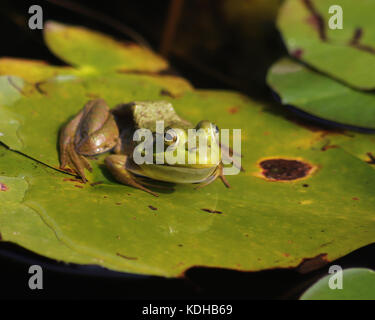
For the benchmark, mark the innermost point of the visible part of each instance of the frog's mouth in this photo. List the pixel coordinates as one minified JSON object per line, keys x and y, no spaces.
{"x":189,"y":158}
{"x":176,"y":173}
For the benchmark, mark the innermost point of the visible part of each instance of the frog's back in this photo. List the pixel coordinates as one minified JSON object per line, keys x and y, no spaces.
{"x":146,"y":113}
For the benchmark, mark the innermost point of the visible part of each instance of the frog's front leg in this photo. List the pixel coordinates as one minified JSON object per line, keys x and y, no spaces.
{"x":217,"y":174}
{"x":116,"y":164}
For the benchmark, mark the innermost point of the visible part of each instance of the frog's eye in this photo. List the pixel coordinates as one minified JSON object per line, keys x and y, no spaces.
{"x":170,"y":137}
{"x":204,"y":124}
{"x":208,"y":126}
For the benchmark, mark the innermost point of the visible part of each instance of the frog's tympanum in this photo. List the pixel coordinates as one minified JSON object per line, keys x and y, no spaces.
{"x":97,"y":129}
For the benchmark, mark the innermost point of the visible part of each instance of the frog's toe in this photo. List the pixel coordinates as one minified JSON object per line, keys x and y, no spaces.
{"x":76,"y":162}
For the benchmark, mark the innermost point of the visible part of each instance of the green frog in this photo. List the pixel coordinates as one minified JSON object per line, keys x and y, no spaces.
{"x":96,"y":129}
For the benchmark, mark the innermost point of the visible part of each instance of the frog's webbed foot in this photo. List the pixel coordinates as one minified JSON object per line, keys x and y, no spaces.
{"x":217,"y":174}
{"x":116,"y":165}
{"x":77,"y":162}
{"x":68,"y":155}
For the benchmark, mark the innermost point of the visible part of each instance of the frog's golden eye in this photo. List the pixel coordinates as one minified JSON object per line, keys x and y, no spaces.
{"x":170,"y":136}
{"x":209,"y":127}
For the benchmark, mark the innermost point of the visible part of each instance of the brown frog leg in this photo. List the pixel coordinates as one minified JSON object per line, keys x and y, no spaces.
{"x":76,"y":162}
{"x":116,"y":165}
{"x":68,"y":155}
{"x":66,"y":139}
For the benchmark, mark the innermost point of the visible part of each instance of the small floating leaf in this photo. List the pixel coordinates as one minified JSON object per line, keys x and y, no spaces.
{"x":347,"y":54}
{"x":350,"y":284}
{"x":321,"y":96}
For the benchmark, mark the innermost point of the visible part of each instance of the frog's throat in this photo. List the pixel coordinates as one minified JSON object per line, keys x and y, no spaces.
{"x":173,"y":173}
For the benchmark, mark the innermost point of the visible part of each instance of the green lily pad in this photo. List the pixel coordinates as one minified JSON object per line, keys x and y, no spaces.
{"x":357,"y":284}
{"x":33,"y":71}
{"x":19,"y":222}
{"x":262,"y":222}
{"x":321,"y":96}
{"x":94,"y":51}
{"x":346,"y":54}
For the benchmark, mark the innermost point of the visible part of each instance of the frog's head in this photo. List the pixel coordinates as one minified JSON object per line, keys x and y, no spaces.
{"x":187,"y":161}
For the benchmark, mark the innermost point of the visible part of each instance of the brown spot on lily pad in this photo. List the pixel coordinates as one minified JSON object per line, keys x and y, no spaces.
{"x":328,"y":146}
{"x":126,"y":257}
{"x":279,"y":169}
{"x":297,"y":53}
{"x":212,"y":211}
{"x":233,"y":110}
{"x":310,"y":264}
{"x":3,"y":187}
{"x":96,"y":183}
{"x":153,"y":208}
